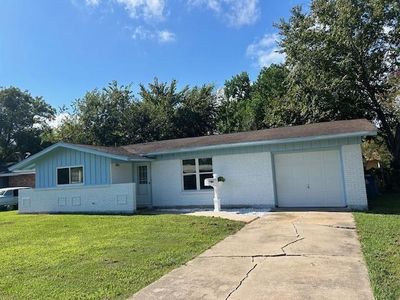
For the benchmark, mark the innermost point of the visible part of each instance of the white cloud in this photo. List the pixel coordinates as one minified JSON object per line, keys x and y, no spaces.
{"x":140,"y":33}
{"x":214,"y":5}
{"x":162,"y":36}
{"x":165,"y":36}
{"x":236,"y":12}
{"x":58,"y":120}
{"x":243,"y":13}
{"x":149,"y":9}
{"x":92,"y":2}
{"x":265,"y":51}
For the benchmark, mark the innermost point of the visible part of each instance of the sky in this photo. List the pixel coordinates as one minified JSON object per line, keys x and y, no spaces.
{"x":59,"y":49}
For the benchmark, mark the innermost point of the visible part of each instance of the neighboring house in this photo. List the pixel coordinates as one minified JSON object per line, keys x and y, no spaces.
{"x":24,"y":178}
{"x":315,"y":165}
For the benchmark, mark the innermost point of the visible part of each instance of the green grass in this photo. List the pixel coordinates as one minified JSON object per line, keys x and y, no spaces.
{"x":97,"y":257}
{"x":379,"y":231}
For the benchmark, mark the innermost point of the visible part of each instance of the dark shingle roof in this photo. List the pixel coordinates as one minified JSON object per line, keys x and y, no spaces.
{"x":282,"y":133}
{"x":111,"y":150}
{"x":140,"y":151}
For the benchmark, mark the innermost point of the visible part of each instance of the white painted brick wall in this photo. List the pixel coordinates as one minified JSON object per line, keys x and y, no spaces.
{"x":355,"y":189}
{"x":167,"y":189}
{"x":112,"y":198}
{"x":249,"y":179}
{"x":249,"y":182}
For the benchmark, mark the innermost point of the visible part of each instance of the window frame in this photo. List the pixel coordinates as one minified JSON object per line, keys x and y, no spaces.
{"x":69,"y":175}
{"x":197,"y":174}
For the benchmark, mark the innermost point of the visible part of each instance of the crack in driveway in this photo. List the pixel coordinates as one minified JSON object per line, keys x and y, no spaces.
{"x":298,"y":238}
{"x":290,"y":243}
{"x":267,"y":255}
{"x":241,"y":281}
{"x":338,"y":226}
{"x":349,"y":227}
{"x":295,"y":230}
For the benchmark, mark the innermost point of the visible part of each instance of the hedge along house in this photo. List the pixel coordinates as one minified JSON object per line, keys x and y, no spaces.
{"x":315,"y":165}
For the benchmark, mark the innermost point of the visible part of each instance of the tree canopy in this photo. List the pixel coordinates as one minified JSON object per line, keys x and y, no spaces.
{"x":114,"y":116}
{"x":341,"y":58}
{"x":23,"y":119}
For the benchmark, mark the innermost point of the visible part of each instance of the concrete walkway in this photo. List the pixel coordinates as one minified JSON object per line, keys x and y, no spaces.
{"x":245,"y":215}
{"x":246,"y":218}
{"x":282,"y":255}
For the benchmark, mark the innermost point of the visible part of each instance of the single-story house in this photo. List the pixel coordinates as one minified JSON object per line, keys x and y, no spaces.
{"x":314,"y":165}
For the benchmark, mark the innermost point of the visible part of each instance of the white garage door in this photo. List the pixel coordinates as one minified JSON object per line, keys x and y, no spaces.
{"x":309,"y":179}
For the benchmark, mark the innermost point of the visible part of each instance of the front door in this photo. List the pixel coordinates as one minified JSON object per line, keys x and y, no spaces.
{"x":143,"y":185}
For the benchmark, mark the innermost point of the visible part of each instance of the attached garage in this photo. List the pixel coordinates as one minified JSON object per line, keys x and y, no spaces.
{"x":309,"y":179}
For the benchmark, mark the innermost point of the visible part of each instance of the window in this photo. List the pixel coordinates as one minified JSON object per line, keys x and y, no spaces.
{"x":189,"y":174}
{"x":195,"y":171}
{"x":8,"y":193}
{"x":142,"y":170}
{"x":76,"y":175}
{"x":63,"y":176}
{"x":70,"y":175}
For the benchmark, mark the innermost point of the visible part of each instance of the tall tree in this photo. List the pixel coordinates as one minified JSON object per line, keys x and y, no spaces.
{"x":341,"y":56}
{"x":23,"y":119}
{"x":234,"y":106}
{"x":166,"y":112}
{"x":101,"y":117}
{"x":159,"y":103}
{"x":270,"y":106}
{"x":197,"y":112}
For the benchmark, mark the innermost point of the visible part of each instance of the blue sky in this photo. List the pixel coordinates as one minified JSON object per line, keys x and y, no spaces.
{"x":59,"y":49}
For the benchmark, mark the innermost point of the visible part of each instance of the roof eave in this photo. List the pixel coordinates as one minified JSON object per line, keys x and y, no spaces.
{"x":17,"y":173}
{"x":144,"y":159}
{"x":30,"y":160}
{"x":270,"y":142}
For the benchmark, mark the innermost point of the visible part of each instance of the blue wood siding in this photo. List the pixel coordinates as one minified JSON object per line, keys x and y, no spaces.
{"x":96,"y":168}
{"x":284,"y":147}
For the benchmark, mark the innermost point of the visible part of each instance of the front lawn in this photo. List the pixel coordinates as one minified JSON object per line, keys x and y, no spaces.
{"x":379,"y":231}
{"x":97,"y":257}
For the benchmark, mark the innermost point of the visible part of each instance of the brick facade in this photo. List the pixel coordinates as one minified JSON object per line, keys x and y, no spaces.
{"x":26,"y":180}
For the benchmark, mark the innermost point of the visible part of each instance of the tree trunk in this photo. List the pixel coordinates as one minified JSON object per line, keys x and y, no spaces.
{"x":396,"y":150}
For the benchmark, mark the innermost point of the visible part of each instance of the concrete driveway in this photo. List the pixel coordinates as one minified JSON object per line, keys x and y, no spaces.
{"x":282,"y":255}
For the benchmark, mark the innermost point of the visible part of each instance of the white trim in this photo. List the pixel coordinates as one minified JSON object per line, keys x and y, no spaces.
{"x":75,"y":186}
{"x":74,"y":147}
{"x":70,"y":183}
{"x":111,"y":175}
